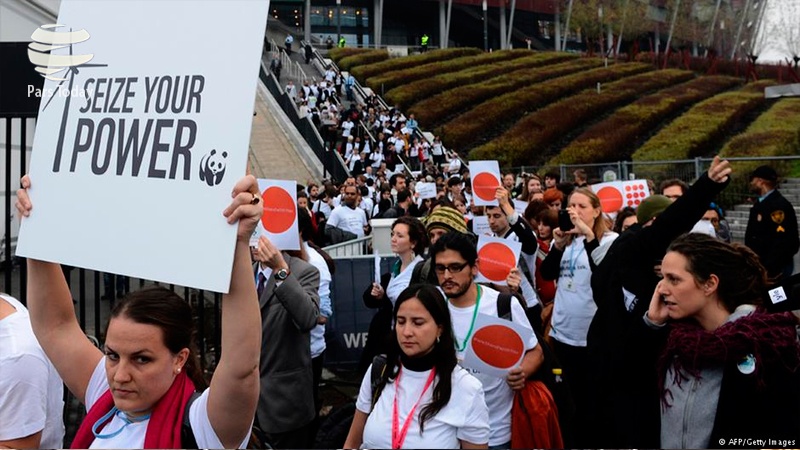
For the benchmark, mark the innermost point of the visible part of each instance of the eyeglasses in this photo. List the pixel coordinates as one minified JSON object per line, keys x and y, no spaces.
{"x":452,"y":268}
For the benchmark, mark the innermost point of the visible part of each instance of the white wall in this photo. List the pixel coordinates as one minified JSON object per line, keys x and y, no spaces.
{"x":18,"y":18}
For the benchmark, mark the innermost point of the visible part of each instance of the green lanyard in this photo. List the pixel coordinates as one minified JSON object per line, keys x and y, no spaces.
{"x":463,"y":345}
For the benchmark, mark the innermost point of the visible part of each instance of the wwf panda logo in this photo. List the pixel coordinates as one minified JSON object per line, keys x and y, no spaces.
{"x":212,"y":167}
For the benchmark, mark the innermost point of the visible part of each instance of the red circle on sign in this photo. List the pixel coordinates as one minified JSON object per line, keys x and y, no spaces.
{"x":496,"y":261}
{"x":280,"y":211}
{"x":610,"y":199}
{"x":484,"y":185}
{"x":498,"y":346}
{"x":630,"y":202}
{"x":629,"y":196}
{"x":627,"y":188}
{"x":635,"y":188}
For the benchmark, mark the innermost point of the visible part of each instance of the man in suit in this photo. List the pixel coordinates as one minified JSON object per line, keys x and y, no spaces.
{"x":289,"y":296}
{"x":772,"y":227}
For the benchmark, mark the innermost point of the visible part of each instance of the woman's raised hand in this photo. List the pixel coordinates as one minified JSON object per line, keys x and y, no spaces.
{"x":246,"y":207}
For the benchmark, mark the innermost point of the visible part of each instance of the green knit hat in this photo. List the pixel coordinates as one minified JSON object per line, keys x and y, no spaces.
{"x":651,"y":207}
{"x":448,"y":218}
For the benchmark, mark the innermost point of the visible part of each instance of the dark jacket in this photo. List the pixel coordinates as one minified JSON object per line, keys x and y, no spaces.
{"x":380,"y":327}
{"x":772,"y":233}
{"x":288,"y":313}
{"x":623,"y":380}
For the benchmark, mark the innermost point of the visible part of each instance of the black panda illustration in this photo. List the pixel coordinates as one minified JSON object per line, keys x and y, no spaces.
{"x":212,"y":167}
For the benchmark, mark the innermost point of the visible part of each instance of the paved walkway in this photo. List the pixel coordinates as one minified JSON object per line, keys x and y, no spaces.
{"x":272,"y":152}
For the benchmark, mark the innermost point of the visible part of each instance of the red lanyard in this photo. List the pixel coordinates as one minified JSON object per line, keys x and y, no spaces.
{"x":399,"y":435}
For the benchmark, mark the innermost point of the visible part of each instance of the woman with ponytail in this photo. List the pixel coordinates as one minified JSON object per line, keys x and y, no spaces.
{"x":729,"y":370}
{"x":138,"y":387}
{"x":422,"y":398}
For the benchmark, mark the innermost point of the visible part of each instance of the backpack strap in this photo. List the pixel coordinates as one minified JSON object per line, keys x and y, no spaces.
{"x":376,"y":375}
{"x":504,"y":306}
{"x":187,"y":435}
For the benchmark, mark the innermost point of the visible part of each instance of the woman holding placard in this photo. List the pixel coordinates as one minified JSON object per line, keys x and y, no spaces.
{"x":137,"y":388}
{"x":408,"y":242}
{"x":414,"y":394}
{"x":579,"y":245}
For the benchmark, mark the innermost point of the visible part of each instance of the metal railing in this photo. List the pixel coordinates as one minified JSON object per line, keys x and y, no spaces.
{"x":349,"y":249}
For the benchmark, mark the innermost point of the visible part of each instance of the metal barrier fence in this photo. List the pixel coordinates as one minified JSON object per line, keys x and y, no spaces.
{"x":686,"y":170}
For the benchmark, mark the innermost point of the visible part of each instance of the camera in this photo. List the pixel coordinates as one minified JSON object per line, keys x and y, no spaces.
{"x":564,"y":221}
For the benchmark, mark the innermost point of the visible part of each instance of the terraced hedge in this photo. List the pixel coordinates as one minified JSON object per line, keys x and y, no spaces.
{"x":703,"y":127}
{"x":527,"y":141}
{"x":410,"y":93}
{"x":361,"y":59}
{"x":614,"y":138}
{"x":483,"y":121}
{"x":439,"y":108}
{"x":776,"y":132}
{"x":370,"y":70}
{"x":337,"y":54}
{"x":396,"y":78}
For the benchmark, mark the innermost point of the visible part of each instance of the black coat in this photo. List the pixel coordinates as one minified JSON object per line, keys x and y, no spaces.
{"x":772,"y":233}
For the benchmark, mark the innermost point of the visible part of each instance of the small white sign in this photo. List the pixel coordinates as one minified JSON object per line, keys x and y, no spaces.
{"x":279,"y":221}
{"x":496,"y":346}
{"x":377,"y":268}
{"x":480,"y":226}
{"x":426,"y":190}
{"x":778,"y":295}
{"x":520,"y":206}
{"x":485,"y":179}
{"x":496,"y":257}
{"x":131,"y":174}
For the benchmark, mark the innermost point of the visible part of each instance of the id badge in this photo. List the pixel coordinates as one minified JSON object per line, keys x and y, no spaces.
{"x":569,"y":285}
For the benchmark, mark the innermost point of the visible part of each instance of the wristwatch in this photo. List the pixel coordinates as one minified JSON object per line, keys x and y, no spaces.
{"x":282,"y":274}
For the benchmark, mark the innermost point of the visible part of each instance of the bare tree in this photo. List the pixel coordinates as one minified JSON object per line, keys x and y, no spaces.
{"x":784,"y":35}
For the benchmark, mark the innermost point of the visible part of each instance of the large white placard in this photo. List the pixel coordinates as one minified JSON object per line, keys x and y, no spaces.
{"x":279,"y":222}
{"x":615,"y":195}
{"x":132,"y":168}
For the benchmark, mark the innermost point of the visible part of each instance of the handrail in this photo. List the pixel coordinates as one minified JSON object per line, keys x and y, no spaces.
{"x":356,"y":247}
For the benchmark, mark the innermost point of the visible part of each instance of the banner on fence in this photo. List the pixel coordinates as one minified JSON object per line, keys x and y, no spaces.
{"x":143,"y":130}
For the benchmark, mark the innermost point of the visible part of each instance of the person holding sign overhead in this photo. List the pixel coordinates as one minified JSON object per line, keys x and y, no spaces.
{"x":455,"y":261}
{"x":138,"y":387}
{"x":575,"y":253}
{"x":421,"y":394}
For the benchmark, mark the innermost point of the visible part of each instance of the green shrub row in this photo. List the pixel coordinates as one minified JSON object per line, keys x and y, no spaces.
{"x":361,"y":59}
{"x":481,"y":122}
{"x":337,"y":54}
{"x":701,"y":129}
{"x":394,"y":78}
{"x":440,"y":108}
{"x":776,"y":132}
{"x":408,"y":94}
{"x":370,"y":70}
{"x":528,"y":140}
{"x":613,"y":139}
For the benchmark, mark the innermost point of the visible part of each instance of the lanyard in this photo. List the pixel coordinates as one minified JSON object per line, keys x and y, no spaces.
{"x":125,"y":422}
{"x":399,"y":435}
{"x":471,"y":325}
{"x":573,"y":262}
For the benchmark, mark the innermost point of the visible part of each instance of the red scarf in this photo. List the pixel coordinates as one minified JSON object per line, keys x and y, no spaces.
{"x":164,"y":428}
{"x":769,"y":338}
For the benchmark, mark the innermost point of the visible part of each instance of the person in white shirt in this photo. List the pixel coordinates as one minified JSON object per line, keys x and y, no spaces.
{"x":454,"y":258}
{"x":575,"y":253}
{"x":348,"y":216}
{"x":422,"y":399}
{"x":31,"y":392}
{"x":147,"y":371}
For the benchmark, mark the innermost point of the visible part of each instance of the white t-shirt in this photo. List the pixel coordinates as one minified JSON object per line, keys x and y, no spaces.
{"x":464,"y":417}
{"x":574,"y":306}
{"x":346,"y":218}
{"x":31,"y":392}
{"x":347,"y":126}
{"x":132,"y":436}
{"x":399,"y":282}
{"x":499,"y":396}
{"x":318,"y":332}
